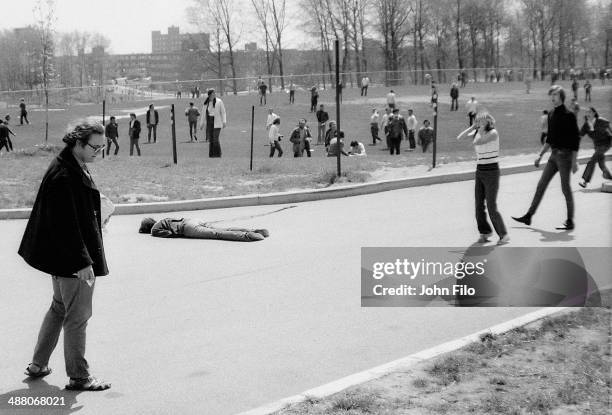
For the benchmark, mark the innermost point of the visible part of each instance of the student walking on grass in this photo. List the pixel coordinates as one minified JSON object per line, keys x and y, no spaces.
{"x":5,"y":139}
{"x":564,"y":140}
{"x":192,"y":115}
{"x":63,"y":238}
{"x":134,"y":133}
{"x":486,"y":180}
{"x":111,"y":132}
{"x":275,"y":137}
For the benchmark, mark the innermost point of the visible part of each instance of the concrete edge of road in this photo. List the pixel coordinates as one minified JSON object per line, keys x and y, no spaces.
{"x":291,"y":197}
{"x":401,"y":364}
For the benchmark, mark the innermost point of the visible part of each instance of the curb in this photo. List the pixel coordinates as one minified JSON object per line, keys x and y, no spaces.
{"x":400,"y":364}
{"x":291,"y":197}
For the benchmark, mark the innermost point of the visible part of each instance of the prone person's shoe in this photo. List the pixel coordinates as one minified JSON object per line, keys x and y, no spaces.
{"x":264,"y":232}
{"x":254,"y":236}
{"x":526,"y":219}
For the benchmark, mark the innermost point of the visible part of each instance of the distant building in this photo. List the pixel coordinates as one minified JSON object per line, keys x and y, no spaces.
{"x":250,"y":47}
{"x":174,"y":41}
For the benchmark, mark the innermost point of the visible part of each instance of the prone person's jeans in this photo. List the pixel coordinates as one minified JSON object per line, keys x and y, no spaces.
{"x":71,"y":309}
{"x":206,"y":231}
{"x":559,"y":161}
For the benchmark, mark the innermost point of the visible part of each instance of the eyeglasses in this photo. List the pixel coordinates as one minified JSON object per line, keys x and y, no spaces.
{"x":97,"y":149}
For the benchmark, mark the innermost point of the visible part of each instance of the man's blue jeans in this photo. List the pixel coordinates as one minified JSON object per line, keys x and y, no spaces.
{"x":70,"y":309}
{"x":559,"y":161}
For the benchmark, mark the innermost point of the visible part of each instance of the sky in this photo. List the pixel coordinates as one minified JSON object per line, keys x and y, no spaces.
{"x":127,"y":23}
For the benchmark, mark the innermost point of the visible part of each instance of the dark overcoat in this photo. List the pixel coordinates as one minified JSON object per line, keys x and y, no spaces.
{"x":64,"y":232}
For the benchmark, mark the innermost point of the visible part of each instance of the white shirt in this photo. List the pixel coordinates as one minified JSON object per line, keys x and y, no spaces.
{"x":544,"y":123}
{"x":472,"y":106}
{"x":385,"y":121}
{"x":411,"y":122}
{"x":365,"y":81}
{"x":374,"y":118}
{"x":270,"y":120}
{"x":391,"y":98}
{"x":359,"y":150}
{"x":273,"y":133}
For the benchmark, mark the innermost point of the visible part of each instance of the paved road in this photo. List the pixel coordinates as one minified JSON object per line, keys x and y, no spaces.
{"x":212,"y":327}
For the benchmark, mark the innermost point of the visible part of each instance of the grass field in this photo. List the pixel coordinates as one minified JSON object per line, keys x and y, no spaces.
{"x":559,"y":365}
{"x":154,"y":176}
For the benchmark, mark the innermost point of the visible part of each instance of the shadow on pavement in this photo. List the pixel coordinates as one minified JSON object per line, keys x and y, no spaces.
{"x":548,"y":236}
{"x":62,"y":401}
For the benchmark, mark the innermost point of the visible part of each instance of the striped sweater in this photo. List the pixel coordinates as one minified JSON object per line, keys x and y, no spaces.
{"x":487,"y":147}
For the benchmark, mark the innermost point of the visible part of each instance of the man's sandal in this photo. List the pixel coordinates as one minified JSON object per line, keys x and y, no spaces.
{"x":38,"y":374}
{"x":87,"y":384}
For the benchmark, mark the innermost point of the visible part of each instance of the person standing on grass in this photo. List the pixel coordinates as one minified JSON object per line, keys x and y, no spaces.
{"x":411,"y":124}
{"x":575,"y":87}
{"x":587,"y":91}
{"x":291,"y":93}
{"x":397,"y":129}
{"x":192,"y":115}
{"x":314,"y":98}
{"x":216,"y":119}
{"x":270,"y":119}
{"x":391,"y":99}
{"x":599,"y":130}
{"x":384,"y":126}
{"x":300,"y":137}
{"x":263,"y":89}
{"x":374,"y":120}
{"x":275,"y":137}
{"x":454,"y":94}
{"x":23,"y":113}
{"x":543,"y":126}
{"x":111,"y":131}
{"x":365,"y":82}
{"x":564,"y":140}
{"x":5,"y":139}
{"x":152,"y":121}
{"x":486,"y":181}
{"x":472,"y":107}
{"x":426,"y":135}
{"x":322,"y":118}
{"x":63,"y":238}
{"x":134,"y":133}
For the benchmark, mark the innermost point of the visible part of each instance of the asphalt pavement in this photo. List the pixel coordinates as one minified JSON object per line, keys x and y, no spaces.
{"x":216,"y":327}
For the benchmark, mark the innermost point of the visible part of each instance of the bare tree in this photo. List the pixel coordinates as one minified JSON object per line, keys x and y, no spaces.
{"x":393,"y":19}
{"x":44,"y":13}
{"x":262,"y":11}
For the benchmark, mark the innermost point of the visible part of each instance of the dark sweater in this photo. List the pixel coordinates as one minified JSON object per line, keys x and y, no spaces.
{"x":563,"y":131}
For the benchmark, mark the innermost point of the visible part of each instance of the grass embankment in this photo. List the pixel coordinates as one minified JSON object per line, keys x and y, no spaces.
{"x":560,"y":365}
{"x":154,"y":176}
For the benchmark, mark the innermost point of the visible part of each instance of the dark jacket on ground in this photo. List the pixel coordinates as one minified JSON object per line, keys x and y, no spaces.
{"x":563,"y":131}
{"x":600,"y":134}
{"x":168,"y":228}
{"x":135,"y":130}
{"x":149,"y":117}
{"x":64,"y":232}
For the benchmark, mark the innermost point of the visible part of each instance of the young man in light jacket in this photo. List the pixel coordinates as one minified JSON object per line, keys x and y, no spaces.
{"x":213,"y":111}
